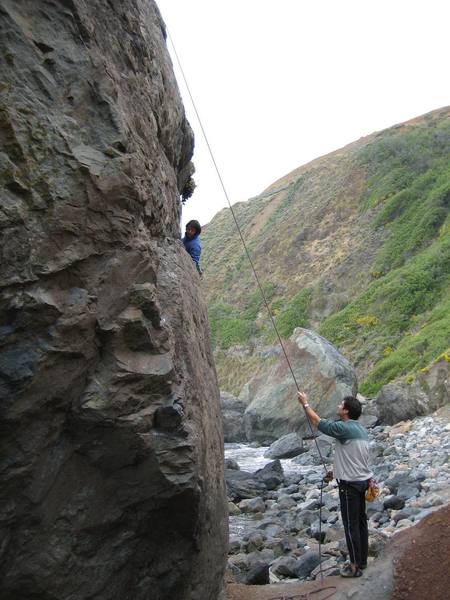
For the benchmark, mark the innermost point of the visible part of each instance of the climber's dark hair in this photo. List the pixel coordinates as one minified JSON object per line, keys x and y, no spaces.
{"x":353,"y":405}
{"x":196,"y":225}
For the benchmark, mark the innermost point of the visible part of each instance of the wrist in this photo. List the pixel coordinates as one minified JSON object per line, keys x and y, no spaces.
{"x":306,"y":405}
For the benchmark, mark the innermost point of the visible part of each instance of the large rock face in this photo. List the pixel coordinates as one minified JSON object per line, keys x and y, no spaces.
{"x":111,"y":466}
{"x":319,"y":369}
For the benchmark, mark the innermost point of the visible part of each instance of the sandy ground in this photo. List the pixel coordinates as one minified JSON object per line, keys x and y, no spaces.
{"x":416,"y":566}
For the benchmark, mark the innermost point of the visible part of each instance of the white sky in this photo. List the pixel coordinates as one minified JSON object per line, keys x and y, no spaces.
{"x":278,"y":83}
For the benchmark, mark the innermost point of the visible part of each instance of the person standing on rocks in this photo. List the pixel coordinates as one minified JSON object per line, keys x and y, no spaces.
{"x":192,"y":243}
{"x":352,"y":472}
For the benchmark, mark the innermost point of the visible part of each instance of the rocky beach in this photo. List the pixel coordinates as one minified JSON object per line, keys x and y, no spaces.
{"x":279,"y":513}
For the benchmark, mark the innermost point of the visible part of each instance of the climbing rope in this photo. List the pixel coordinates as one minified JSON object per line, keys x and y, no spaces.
{"x":261,"y":289}
{"x":263,"y":295}
{"x":308,"y":595}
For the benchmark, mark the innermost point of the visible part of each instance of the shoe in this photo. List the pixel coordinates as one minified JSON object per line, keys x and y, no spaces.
{"x":347,"y":572}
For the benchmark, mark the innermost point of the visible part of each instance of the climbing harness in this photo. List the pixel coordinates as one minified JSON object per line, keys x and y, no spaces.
{"x":269,"y":312}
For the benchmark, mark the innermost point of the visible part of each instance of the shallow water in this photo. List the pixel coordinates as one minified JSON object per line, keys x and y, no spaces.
{"x":251,"y":459}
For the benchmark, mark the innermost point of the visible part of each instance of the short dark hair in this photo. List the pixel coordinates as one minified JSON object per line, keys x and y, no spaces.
{"x":196,"y":225}
{"x":353,"y":405}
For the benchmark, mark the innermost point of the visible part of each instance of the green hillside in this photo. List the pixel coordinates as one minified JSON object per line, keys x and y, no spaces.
{"x":355,"y":245}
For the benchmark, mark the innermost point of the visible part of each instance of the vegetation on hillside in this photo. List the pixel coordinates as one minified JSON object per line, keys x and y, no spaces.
{"x":403,"y":316}
{"x":393,"y":319}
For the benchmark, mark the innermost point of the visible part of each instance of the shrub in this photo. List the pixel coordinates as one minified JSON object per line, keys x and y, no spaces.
{"x":294,"y":314}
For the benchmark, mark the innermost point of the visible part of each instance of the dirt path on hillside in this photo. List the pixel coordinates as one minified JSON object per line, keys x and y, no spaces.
{"x":416,"y":566}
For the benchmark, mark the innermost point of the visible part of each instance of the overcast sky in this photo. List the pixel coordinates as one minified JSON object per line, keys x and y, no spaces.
{"x":278,"y":83}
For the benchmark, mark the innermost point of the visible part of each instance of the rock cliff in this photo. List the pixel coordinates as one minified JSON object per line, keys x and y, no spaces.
{"x":111,"y":466}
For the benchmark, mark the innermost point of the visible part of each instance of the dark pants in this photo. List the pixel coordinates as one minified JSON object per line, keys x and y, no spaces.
{"x":352,"y":496}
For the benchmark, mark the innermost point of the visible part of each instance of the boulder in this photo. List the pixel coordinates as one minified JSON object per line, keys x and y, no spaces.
{"x":230,"y":463}
{"x":396,"y":403}
{"x":258,"y":574}
{"x":394,"y":502}
{"x":232,"y":418}
{"x":111,"y":470}
{"x":252,"y":505}
{"x":321,"y":371}
{"x":241,"y":484}
{"x":307,"y":563}
{"x":428,"y":391}
{"x":288,"y":446}
{"x":285,"y":566}
{"x":271,"y":474}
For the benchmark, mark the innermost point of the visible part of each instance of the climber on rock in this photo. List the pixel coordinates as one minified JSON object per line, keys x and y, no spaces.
{"x":192,"y":243}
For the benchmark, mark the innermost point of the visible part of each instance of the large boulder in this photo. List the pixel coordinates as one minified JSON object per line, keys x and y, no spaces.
{"x":242,"y":484}
{"x":111,"y":462}
{"x":288,"y":446}
{"x":232,"y":417}
{"x":403,"y":400}
{"x":319,"y":369}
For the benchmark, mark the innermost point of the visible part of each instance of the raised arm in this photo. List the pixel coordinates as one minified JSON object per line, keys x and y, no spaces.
{"x":313,"y":416}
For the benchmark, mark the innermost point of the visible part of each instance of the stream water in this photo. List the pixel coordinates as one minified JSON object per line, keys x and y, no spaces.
{"x":251,"y":459}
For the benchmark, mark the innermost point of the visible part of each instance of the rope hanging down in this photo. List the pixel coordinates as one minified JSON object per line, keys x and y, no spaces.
{"x":263,"y":295}
{"x":243,"y":241}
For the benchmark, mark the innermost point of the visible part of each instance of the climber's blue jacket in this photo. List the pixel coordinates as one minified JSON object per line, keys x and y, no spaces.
{"x":194,"y":247}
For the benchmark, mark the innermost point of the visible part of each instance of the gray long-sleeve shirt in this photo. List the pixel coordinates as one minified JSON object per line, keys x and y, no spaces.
{"x":351,"y":453}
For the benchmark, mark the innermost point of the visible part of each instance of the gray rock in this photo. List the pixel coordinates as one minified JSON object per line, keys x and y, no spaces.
{"x":368,"y":421}
{"x":258,"y":574}
{"x":286,"y":502}
{"x":265,"y":555}
{"x":255,"y":542}
{"x":393,"y":502}
{"x":306,"y":564}
{"x":274,"y":410}
{"x":328,"y":568}
{"x":288,"y":446}
{"x":431,"y":500}
{"x":241,"y":484}
{"x":230,"y":463}
{"x":232,"y":417}
{"x":234,"y":546}
{"x":285,"y":566}
{"x":272,"y":529}
{"x":271,"y":474}
{"x":408,"y":490}
{"x":373,"y":508}
{"x":405,"y":513}
{"x":233,"y":509}
{"x":429,"y":390}
{"x":287,"y":545}
{"x":310,"y":458}
{"x":305,"y":518}
{"x":252,"y":505}
{"x":395,"y":403}
{"x":397,"y":479}
{"x":318,"y":531}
